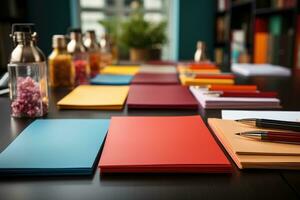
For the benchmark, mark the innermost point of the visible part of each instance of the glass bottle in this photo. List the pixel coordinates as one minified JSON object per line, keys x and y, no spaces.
{"x":61,"y":69}
{"x":93,"y":49}
{"x":80,"y":57}
{"x":106,"y":55}
{"x":200,"y":54}
{"x":27,"y":74}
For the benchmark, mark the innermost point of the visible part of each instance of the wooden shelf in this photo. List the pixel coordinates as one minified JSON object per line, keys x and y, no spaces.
{"x":241,"y":4}
{"x":224,"y":12}
{"x":221,"y":44}
{"x":273,"y":11}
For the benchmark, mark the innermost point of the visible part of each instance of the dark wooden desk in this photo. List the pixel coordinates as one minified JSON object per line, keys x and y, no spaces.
{"x":246,"y":184}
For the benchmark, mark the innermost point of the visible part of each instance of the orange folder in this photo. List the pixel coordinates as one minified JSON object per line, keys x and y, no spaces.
{"x":161,"y":144}
{"x":248,"y":153}
{"x":203,"y":66}
{"x":233,"y":88}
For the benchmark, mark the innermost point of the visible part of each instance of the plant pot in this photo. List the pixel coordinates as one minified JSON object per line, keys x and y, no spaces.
{"x":138,"y":55}
{"x":155,"y":54}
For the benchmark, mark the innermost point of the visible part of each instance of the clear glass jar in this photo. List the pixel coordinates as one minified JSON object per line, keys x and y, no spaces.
{"x":80,"y":57}
{"x":27,"y":74}
{"x":28,"y":89}
{"x":61,"y":69}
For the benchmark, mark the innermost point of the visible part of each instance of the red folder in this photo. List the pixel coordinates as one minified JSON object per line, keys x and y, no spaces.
{"x":203,"y":66}
{"x":151,"y":78}
{"x":161,"y":96}
{"x":215,"y":76}
{"x":161,"y":144}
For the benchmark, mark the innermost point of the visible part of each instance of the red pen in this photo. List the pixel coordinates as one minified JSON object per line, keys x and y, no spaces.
{"x":249,"y":94}
{"x":272,"y":136}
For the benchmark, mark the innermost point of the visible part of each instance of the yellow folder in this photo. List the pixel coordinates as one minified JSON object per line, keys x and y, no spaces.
{"x":186,"y":80}
{"x":122,"y":70}
{"x":183,"y":69}
{"x":248,"y":153}
{"x":95,"y":97}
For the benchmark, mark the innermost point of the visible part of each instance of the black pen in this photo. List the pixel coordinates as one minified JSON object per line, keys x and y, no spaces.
{"x":273,"y":124}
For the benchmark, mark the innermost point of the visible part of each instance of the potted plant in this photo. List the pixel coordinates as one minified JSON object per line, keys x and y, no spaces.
{"x":135,"y":35}
{"x":158,"y":38}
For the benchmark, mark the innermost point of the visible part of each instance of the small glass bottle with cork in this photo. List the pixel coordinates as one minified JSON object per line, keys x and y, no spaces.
{"x":80,"y":57}
{"x":93,"y":49}
{"x":61,"y":68}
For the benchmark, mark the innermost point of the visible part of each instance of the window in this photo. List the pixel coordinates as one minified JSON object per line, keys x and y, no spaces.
{"x":91,"y":11}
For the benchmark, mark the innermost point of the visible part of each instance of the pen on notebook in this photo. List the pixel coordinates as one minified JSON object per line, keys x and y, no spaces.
{"x":273,"y":124}
{"x":271,"y":136}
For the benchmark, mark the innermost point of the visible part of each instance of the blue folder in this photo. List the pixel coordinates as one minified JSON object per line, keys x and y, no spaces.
{"x":103,"y":79}
{"x":55,"y":147}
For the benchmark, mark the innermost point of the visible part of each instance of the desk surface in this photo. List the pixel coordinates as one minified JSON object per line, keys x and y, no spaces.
{"x":246,"y":184}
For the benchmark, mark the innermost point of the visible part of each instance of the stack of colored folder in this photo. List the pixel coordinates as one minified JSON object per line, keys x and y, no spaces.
{"x":120,"y":70}
{"x":95,"y":97}
{"x":248,"y":153}
{"x":155,"y":78}
{"x":203,"y":74}
{"x":107,"y":79}
{"x":55,"y":147}
{"x":161,"y":144}
{"x":161,"y":96}
{"x":235,"y":96}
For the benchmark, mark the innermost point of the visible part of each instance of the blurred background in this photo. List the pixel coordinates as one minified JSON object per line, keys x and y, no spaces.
{"x":235,"y":31}
{"x":186,"y":21}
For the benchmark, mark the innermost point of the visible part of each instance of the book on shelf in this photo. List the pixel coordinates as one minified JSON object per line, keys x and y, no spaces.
{"x":223,"y":5}
{"x":278,"y":4}
{"x":260,"y":47}
{"x":283,"y":3}
{"x":219,"y":56}
{"x":297,"y":45}
{"x":222,"y":33}
{"x":273,"y":40}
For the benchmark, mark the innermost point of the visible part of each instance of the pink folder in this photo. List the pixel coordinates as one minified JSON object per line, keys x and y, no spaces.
{"x":161,"y":96}
{"x":152,"y":78}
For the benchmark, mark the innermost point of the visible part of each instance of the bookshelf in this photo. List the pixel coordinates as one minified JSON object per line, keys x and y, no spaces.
{"x":243,"y":26}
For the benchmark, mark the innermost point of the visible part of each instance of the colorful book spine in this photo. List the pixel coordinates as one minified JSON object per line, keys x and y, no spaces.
{"x":260,"y":48}
{"x":297,"y":48}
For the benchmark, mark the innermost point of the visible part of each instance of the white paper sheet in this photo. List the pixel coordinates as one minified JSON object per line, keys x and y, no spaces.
{"x":275,"y":115}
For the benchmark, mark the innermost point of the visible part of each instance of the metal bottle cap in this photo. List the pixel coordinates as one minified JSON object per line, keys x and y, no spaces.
{"x":59,"y":41}
{"x":22,"y":32}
